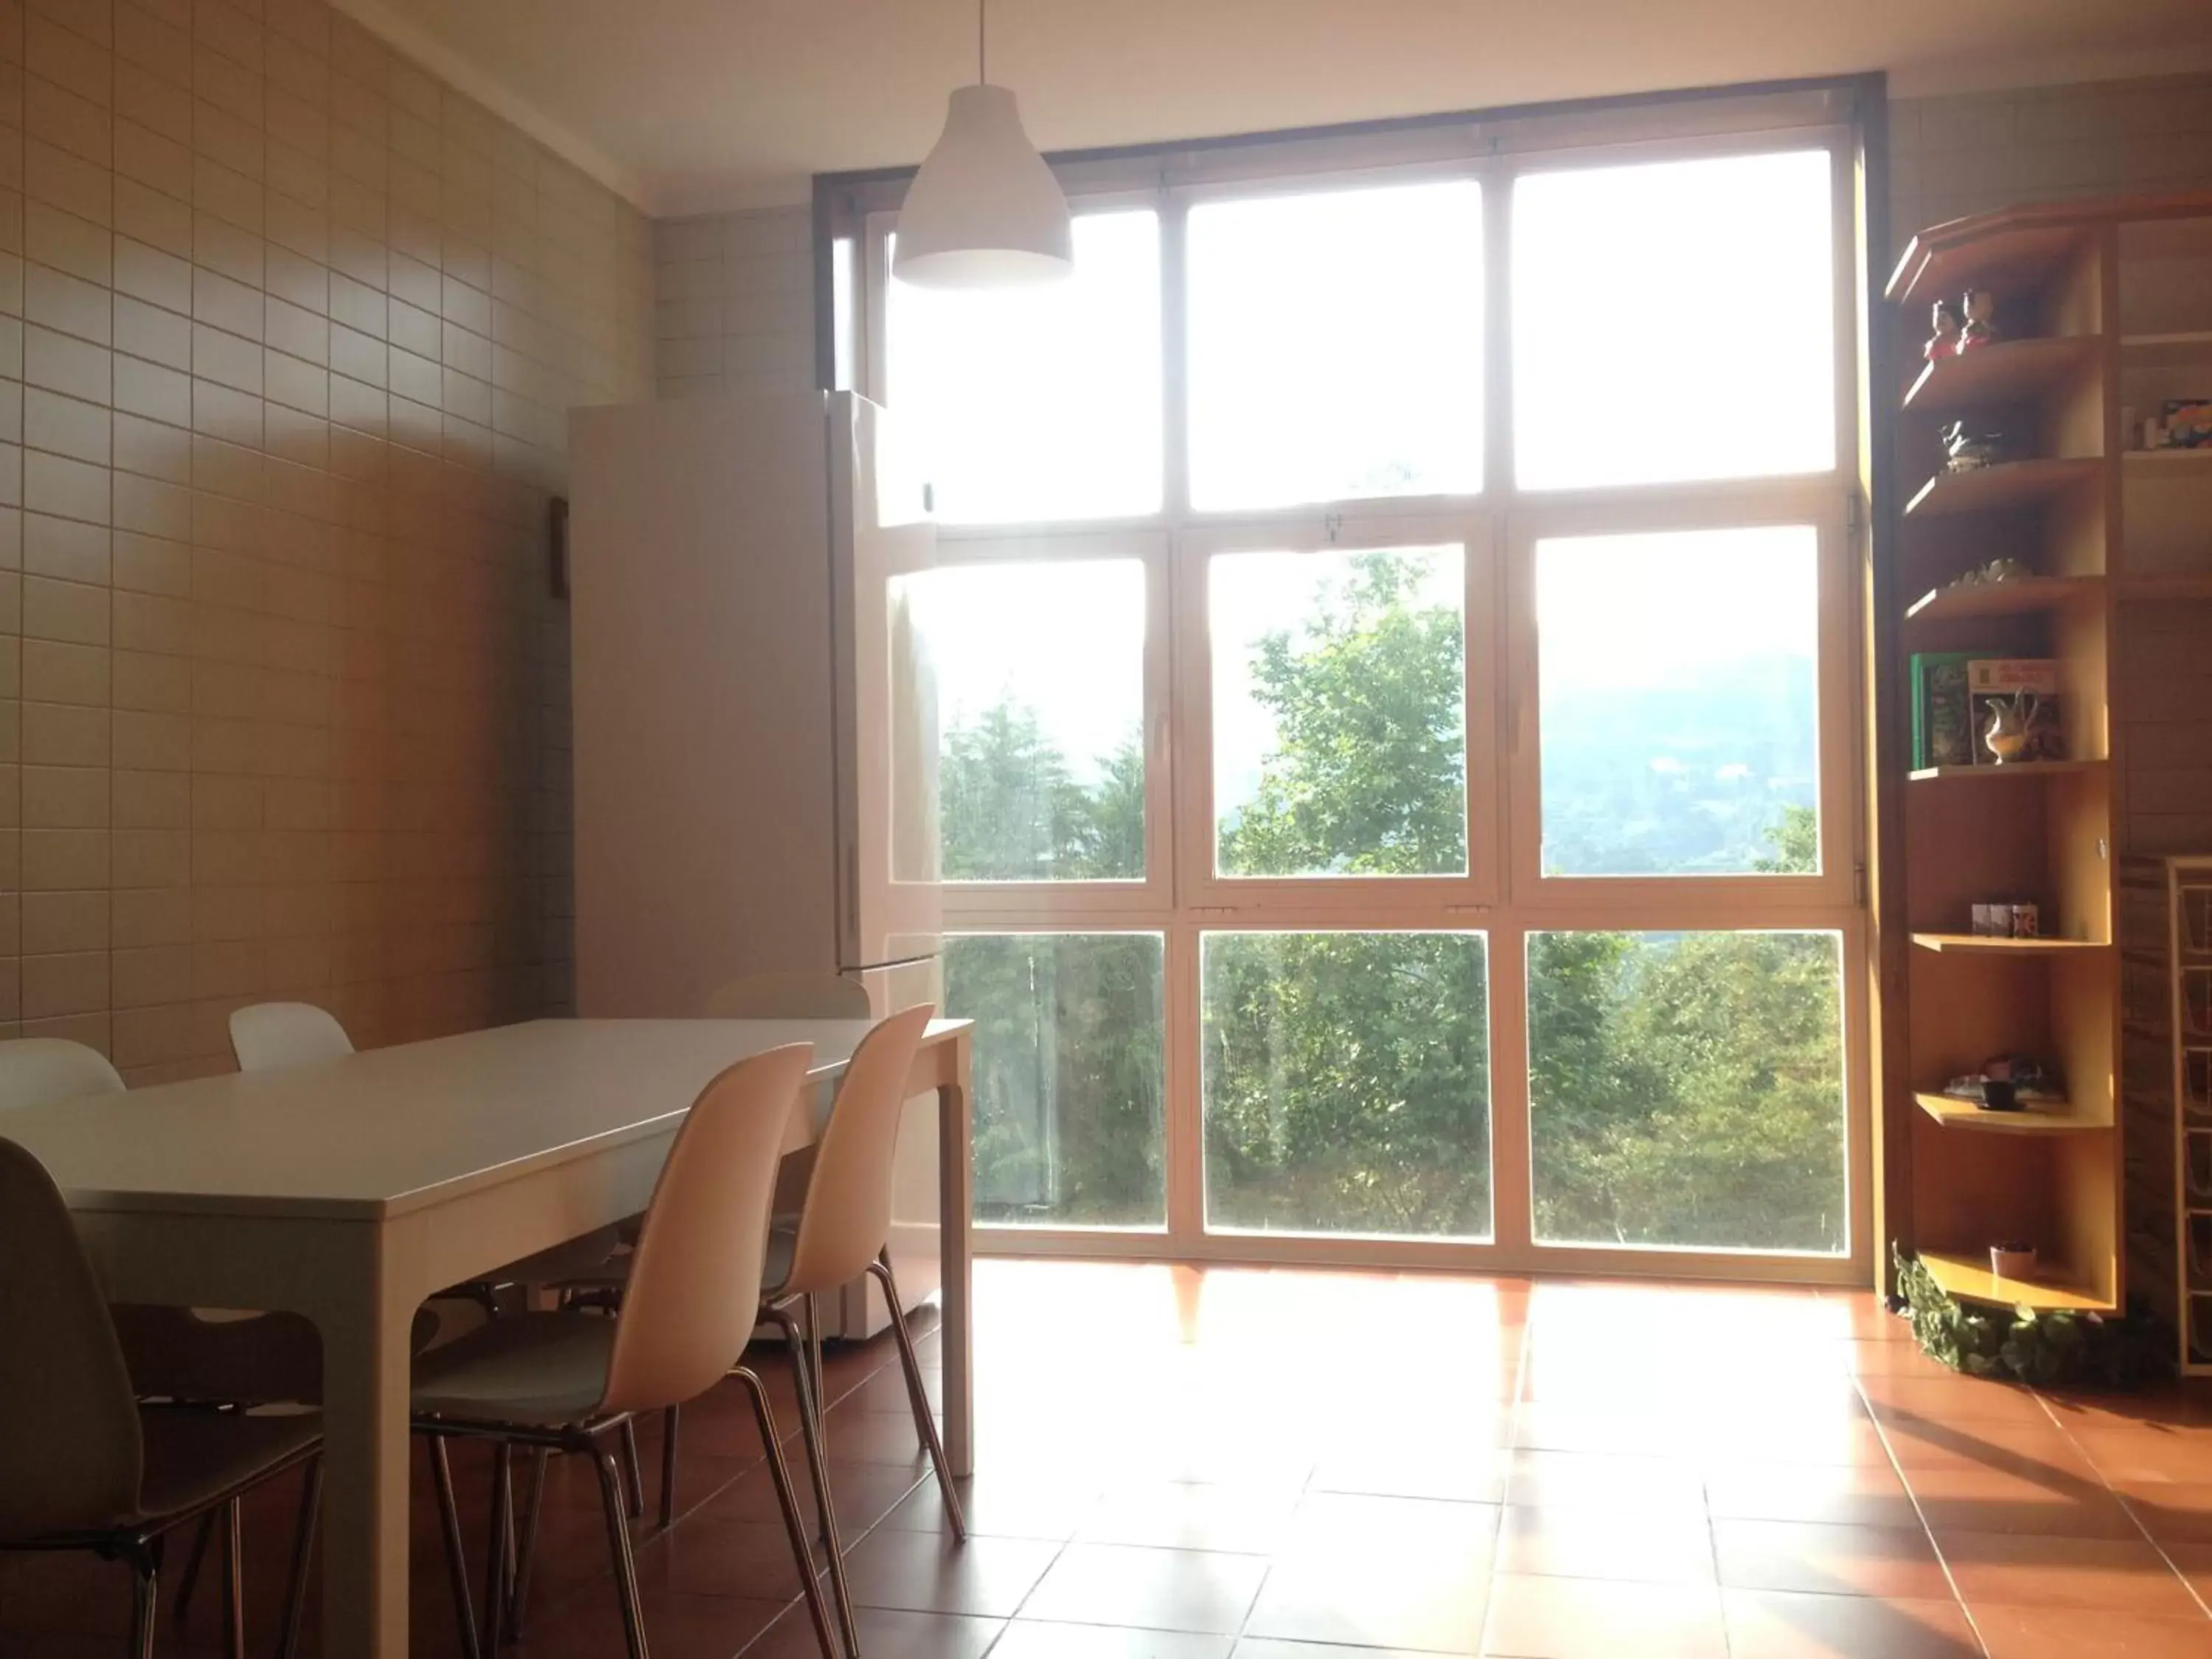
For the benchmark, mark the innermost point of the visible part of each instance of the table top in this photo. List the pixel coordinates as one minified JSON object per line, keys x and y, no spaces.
{"x":386,"y":1131}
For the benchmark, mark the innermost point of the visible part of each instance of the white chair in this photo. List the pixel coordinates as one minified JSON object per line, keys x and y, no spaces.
{"x":273,"y":1036}
{"x":87,"y":1466}
{"x":844,"y":1232}
{"x":565,"y":1383}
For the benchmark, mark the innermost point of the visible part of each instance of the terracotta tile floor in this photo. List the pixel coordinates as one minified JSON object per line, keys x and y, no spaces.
{"x":1284,"y":1464}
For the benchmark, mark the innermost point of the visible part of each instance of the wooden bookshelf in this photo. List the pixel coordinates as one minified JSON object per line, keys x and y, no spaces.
{"x":2088,"y":338}
{"x":2043,"y":1119}
{"x":2018,"y":772}
{"x":2007,"y":484}
{"x":1968,"y":1277}
{"x":2009,"y":371}
{"x":2024,"y":596}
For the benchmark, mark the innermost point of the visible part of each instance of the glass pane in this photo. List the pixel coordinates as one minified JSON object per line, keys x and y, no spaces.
{"x":1040,"y":674}
{"x":1346,"y":1083}
{"x":1640,"y":354}
{"x":1068,"y":1075}
{"x":1687,"y":1090}
{"x":1679,"y":710}
{"x":1336,"y":346}
{"x":1339,"y":713}
{"x":1043,"y":403}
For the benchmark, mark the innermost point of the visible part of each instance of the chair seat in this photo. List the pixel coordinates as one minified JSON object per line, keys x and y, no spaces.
{"x":195,"y":1457}
{"x":537,"y":1370}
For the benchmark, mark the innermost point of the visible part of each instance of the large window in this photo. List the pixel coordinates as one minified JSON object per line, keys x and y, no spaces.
{"x":1687,"y":1090}
{"x":1339,"y":713}
{"x":1394,"y":701}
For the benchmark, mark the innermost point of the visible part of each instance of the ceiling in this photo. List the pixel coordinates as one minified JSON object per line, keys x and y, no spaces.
{"x":692,"y":105}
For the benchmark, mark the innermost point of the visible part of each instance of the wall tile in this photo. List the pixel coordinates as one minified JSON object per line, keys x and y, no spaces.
{"x":224,"y":588}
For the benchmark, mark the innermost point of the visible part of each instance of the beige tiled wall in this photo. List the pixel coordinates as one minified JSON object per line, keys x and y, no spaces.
{"x":287,"y":330}
{"x":735,"y":308}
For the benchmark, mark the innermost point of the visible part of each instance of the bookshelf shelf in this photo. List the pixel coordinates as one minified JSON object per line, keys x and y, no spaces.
{"x":2005,"y":372}
{"x":2046,"y":1120}
{"x":1997,"y":945}
{"x":2168,"y":585}
{"x":2028,"y":596}
{"x":2007,"y":484}
{"x":2164,"y":461}
{"x":2146,"y":350}
{"x":2017,"y":772}
{"x":1970,"y":1277}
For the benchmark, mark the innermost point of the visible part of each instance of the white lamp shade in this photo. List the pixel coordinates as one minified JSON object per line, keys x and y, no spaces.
{"x":985,"y":211}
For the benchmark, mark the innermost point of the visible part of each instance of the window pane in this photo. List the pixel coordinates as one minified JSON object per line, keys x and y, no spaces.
{"x":1640,"y":355}
{"x":1677,"y":687}
{"x":1346,"y":1083}
{"x":1340,"y":706}
{"x":1038,"y":402}
{"x":1336,"y":346}
{"x":1040,"y":674}
{"x":1688,"y":1090}
{"x":1068,"y":1073}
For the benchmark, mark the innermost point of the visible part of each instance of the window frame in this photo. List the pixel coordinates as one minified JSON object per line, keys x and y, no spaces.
{"x":1502,"y":897}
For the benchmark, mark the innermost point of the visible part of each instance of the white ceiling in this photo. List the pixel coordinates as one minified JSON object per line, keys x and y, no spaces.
{"x":690,"y":106}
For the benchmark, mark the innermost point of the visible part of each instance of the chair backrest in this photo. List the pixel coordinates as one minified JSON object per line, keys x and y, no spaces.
{"x":69,"y":1424}
{"x":268,"y":1036}
{"x":848,"y":1213}
{"x":36,"y":1070}
{"x":790,"y":996}
{"x":694,"y":1287}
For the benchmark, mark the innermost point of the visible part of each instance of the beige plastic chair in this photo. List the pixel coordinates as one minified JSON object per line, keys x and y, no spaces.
{"x":87,"y":1466}
{"x":844,"y":1232}
{"x":790,"y":996}
{"x":273,"y":1037}
{"x":564,"y":1382}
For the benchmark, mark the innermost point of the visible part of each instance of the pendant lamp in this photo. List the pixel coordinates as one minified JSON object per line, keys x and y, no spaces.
{"x":985,"y":211}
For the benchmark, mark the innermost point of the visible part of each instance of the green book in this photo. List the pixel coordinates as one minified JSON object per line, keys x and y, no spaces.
{"x":1943,"y":709}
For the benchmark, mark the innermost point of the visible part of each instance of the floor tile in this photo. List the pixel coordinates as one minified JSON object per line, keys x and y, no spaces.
{"x":1819,"y":1559}
{"x":925,"y":1572}
{"x":1375,"y":1601}
{"x":1028,"y":1639}
{"x":1584,"y":1542}
{"x":1155,"y":1589}
{"x":885,"y":1634}
{"x":2172,"y":1512}
{"x":2041,"y":1633}
{"x":1591,"y":1619}
{"x":1989,"y":1500}
{"x":1266,"y":1647}
{"x":2129,"y":1575}
{"x":1785,"y":1625}
{"x":1182,"y":1514}
{"x":1040,"y":1505}
{"x":2033,"y":1450}
{"x":1841,"y":1494}
{"x":1561,"y":1479}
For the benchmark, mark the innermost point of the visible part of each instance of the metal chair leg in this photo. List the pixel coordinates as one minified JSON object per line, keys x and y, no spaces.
{"x":303,"y":1549}
{"x":811,"y":1431}
{"x":234,"y":1579}
{"x":457,"y":1560}
{"x":145,"y":1600}
{"x":526,"y":1550}
{"x":611,"y":1500}
{"x":794,"y":1524}
{"x":633,"y":1476}
{"x":500,"y":1553}
{"x":203,"y":1535}
{"x":668,"y":1467}
{"x":821,"y":1379}
{"x":925,"y":1419}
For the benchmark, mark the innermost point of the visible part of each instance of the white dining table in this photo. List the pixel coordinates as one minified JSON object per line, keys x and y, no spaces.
{"x":350,"y":1190}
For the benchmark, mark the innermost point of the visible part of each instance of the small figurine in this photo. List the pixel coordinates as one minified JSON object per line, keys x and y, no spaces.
{"x":1970,"y":450}
{"x":1995,"y":572}
{"x":1944,"y":342}
{"x":1981,"y":327}
{"x":2011,"y":726}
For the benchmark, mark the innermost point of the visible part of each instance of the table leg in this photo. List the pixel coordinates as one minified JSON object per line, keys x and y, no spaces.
{"x":956,"y":1201}
{"x":365,"y":1396}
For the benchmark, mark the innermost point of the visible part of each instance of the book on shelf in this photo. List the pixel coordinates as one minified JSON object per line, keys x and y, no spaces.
{"x":1953,"y":692}
{"x":1943,"y":709}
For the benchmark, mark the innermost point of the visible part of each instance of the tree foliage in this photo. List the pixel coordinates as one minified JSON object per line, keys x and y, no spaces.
{"x":1685,"y":1088}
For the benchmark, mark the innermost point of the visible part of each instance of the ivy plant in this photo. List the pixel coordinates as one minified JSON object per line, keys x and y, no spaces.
{"x":2039,"y":1347}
